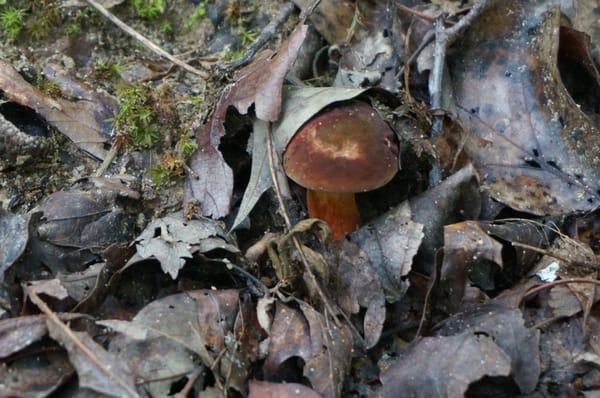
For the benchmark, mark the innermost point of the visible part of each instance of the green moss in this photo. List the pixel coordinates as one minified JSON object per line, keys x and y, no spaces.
{"x":149,"y":9}
{"x":186,"y":146}
{"x":136,"y":118}
{"x":198,"y":13}
{"x":160,"y":175}
{"x":50,"y":87}
{"x":248,"y":36}
{"x":12,"y":21}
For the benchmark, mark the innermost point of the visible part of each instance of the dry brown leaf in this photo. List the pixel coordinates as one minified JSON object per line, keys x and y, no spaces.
{"x":326,"y":349}
{"x":467,"y":249}
{"x":263,"y":389}
{"x":259,"y":83}
{"x":84,"y":122}
{"x":444,"y":366}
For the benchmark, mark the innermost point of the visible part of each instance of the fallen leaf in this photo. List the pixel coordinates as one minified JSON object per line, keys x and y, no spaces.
{"x":468,"y":251}
{"x":534,"y":148}
{"x":97,"y":368}
{"x":455,"y":199}
{"x":332,"y":18}
{"x":14,"y":235}
{"x":259,"y":83}
{"x":84,"y":122}
{"x":356,"y":285}
{"x":18,"y":333}
{"x":35,"y":375}
{"x":444,"y":366}
{"x":49,"y":287}
{"x":391,"y":242}
{"x":159,"y":341}
{"x":172,"y":240}
{"x":263,"y":389}
{"x":326,"y":349}
{"x":506,"y":327}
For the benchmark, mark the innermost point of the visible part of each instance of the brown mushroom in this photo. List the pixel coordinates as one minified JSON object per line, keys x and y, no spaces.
{"x":345,"y":149}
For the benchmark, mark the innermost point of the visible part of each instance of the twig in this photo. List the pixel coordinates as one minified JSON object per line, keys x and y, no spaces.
{"x":77,"y":341}
{"x":416,"y":13}
{"x":309,"y":10}
{"x":433,"y":279}
{"x":443,"y":37}
{"x":267,"y":33}
{"x":549,"y":285}
{"x":251,"y":278}
{"x":145,"y":41}
{"x":108,"y":159}
{"x":554,"y":255}
{"x":190,"y":383}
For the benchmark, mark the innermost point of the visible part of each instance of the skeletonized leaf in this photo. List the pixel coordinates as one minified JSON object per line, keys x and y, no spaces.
{"x":172,"y":239}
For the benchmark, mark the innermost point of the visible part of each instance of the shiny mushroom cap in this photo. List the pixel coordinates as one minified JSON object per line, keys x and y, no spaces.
{"x":347,"y":148}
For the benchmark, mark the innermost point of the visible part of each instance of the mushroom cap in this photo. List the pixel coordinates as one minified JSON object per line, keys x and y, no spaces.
{"x":346,"y":148}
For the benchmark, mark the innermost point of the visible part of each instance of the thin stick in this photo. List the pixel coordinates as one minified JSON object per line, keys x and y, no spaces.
{"x":549,"y":285}
{"x":443,"y":37}
{"x":267,"y":33}
{"x":88,"y":353}
{"x":416,"y":13}
{"x":145,"y":41}
{"x":190,"y":383}
{"x":108,"y":159}
{"x":553,"y":255}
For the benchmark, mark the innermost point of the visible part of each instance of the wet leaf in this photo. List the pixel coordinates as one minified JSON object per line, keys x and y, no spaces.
{"x":299,"y":105}
{"x":97,"y":368}
{"x":455,"y":199}
{"x":444,"y":366}
{"x":391,"y":242}
{"x":84,"y":122}
{"x":259,"y":83}
{"x":326,"y":349}
{"x":507,"y":328}
{"x":18,"y":333}
{"x":13,"y":239}
{"x":263,"y":389}
{"x":158,"y":342}
{"x":468,"y":251}
{"x":35,"y":375}
{"x":356,"y":285}
{"x":535,"y":149}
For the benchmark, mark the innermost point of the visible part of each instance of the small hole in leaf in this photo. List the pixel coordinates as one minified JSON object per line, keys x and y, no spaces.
{"x":536,"y":153}
{"x":553,"y":164}
{"x":171,"y":306}
{"x":533,"y":163}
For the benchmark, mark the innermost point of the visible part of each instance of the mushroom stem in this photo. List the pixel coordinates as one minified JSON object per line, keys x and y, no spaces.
{"x":337,"y":209}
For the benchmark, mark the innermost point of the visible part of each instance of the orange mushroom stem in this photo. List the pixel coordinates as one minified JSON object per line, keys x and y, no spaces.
{"x":338,"y":209}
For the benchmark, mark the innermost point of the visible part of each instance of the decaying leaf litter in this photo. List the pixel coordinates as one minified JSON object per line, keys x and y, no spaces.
{"x":153,"y":245}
